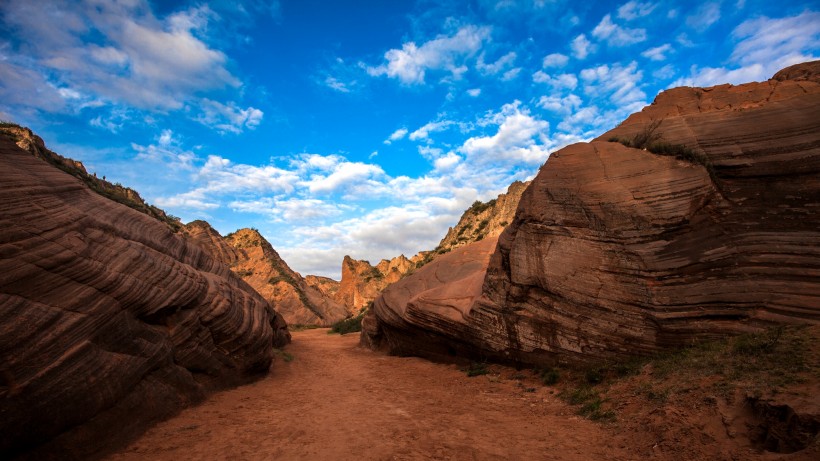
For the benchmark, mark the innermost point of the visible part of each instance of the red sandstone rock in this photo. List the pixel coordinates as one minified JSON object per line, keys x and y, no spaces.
{"x":619,"y":251}
{"x":108,"y":320}
{"x":253,"y":258}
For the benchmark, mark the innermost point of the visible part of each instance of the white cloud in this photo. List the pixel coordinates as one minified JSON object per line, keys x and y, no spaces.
{"x":520,"y":138}
{"x":397,"y":135}
{"x":167,"y":151}
{"x":228,"y":117}
{"x":346,"y":176}
{"x":620,"y":84}
{"x":581,"y":47}
{"x":431,"y":127}
{"x":633,"y":10}
{"x":616,"y":35}
{"x":118,"y":54}
{"x":499,"y":65}
{"x":558,"y":82}
{"x":764,"y":46}
{"x":474,"y":92}
{"x":703,"y":18}
{"x":657,"y":53}
{"x":291,"y":210}
{"x":560,"y":105}
{"x":555,"y":60}
{"x":334,"y":83}
{"x":444,"y":53}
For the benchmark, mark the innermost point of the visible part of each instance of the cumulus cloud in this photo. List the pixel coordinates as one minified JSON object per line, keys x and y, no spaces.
{"x":555,"y":60}
{"x":581,"y":47}
{"x":228,"y":117}
{"x":561,"y":81}
{"x":520,"y":138}
{"x":474,"y":92}
{"x":617,"y":83}
{"x":560,"y":105}
{"x":616,"y":35}
{"x":447,"y":53}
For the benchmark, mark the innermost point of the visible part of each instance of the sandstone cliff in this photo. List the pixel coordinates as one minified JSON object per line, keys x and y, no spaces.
{"x":484,"y":219}
{"x":710,"y":227}
{"x":108,"y":319}
{"x":253,"y":258}
{"x":361,"y":282}
{"x":326,"y":285}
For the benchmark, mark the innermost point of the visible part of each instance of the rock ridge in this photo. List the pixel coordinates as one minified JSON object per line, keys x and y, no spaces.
{"x":108,"y":319}
{"x":618,"y":251}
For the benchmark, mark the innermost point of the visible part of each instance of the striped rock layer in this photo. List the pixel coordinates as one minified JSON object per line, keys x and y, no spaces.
{"x":619,"y":251}
{"x":108,"y":320}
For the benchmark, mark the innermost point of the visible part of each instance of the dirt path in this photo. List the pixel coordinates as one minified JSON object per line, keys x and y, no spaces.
{"x":336,"y":401}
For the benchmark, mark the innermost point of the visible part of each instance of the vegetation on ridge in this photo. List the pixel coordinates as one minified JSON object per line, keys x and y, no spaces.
{"x":648,"y":139}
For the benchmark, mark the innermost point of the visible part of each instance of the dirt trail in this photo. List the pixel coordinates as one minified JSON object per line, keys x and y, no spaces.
{"x":336,"y":401}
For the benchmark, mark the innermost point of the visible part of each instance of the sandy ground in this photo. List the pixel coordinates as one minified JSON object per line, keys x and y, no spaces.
{"x":336,"y":401}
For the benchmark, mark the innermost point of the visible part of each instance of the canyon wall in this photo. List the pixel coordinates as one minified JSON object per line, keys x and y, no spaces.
{"x":108,"y":319}
{"x":708,"y":225}
{"x":253,"y":259}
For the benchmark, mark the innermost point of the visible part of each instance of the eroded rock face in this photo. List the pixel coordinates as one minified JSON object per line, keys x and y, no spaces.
{"x":361,"y":282}
{"x":484,"y":219}
{"x":619,"y":251}
{"x":253,"y":258}
{"x":108,"y":320}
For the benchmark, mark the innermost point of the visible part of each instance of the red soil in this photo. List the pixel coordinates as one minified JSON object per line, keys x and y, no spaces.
{"x":336,"y":401}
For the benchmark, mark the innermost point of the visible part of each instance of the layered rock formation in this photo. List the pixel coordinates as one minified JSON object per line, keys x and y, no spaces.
{"x":27,"y":140}
{"x":620,"y":251}
{"x":253,"y":258}
{"x":484,"y":219}
{"x":108,"y":319}
{"x":362,"y":282}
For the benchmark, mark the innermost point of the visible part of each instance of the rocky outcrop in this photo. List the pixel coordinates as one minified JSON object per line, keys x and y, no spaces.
{"x":108,"y":319}
{"x":30,"y":142}
{"x":710,"y":227}
{"x":326,"y":285}
{"x":484,"y":219}
{"x":253,"y":258}
{"x":361,"y":282}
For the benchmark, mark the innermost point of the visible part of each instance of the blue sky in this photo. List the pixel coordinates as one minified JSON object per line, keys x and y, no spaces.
{"x":359,"y":127}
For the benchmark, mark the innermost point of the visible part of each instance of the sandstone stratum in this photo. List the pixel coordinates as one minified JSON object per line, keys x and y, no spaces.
{"x":253,"y":259}
{"x":109,"y":320}
{"x":708,"y":225}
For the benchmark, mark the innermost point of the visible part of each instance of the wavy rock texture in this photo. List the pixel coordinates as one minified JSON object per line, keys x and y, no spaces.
{"x":30,"y":142}
{"x":253,"y":258}
{"x":108,"y":320}
{"x":619,"y":251}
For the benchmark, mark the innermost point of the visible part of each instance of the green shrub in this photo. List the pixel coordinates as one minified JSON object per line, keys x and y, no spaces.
{"x":476,"y":369}
{"x":549,"y":376}
{"x":348,"y":325}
